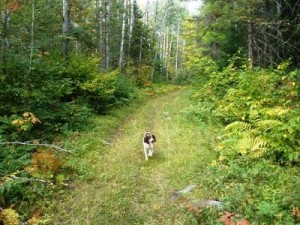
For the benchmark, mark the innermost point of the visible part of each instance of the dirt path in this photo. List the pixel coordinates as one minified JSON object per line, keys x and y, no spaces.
{"x":130,"y":190}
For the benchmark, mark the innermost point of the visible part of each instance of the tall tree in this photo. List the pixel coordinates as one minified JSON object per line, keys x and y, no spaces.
{"x":5,"y":11}
{"x":66,"y":28}
{"x":32,"y":32}
{"x":122,"y":36}
{"x":266,"y":30}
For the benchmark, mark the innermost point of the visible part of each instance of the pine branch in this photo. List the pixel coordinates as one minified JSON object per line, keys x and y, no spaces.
{"x":43,"y":145}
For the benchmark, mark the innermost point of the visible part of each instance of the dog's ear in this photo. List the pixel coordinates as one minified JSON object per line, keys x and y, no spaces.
{"x":146,"y":139}
{"x":153,"y":136}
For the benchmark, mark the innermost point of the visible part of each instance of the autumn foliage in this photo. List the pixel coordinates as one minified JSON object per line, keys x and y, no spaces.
{"x":44,"y":163}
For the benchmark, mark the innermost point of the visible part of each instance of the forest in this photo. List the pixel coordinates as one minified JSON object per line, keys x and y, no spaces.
{"x":78,"y":75}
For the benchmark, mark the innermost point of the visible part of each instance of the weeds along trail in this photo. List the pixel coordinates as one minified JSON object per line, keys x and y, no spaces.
{"x":129,"y":190}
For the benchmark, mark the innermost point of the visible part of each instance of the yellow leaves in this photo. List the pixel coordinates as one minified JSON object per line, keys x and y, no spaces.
{"x":9,"y":217}
{"x":214,"y":163}
{"x":28,"y":119}
{"x":18,"y":122}
{"x":35,"y":220}
{"x":8,"y":178}
{"x":35,"y":120}
{"x":277,"y":111}
{"x":283,"y":66}
{"x":31,"y":117}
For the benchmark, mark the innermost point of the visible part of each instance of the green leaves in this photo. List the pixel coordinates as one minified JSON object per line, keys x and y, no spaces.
{"x":262,"y":119}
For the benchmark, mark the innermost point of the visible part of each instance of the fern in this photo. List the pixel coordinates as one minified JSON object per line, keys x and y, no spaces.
{"x":255,"y":147}
{"x":258,"y":148}
{"x":238,"y":126}
{"x":245,"y":138}
{"x":266,"y":125}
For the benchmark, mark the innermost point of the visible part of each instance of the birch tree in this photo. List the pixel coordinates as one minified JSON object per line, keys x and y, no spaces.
{"x":66,"y":28}
{"x":130,"y":25}
{"x":122,"y":36}
{"x":105,"y":35}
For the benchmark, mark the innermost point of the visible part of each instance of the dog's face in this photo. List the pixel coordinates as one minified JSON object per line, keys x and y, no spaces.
{"x":149,"y":138}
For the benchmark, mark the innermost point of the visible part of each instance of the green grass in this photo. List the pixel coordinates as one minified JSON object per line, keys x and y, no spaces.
{"x":118,"y":186}
{"x":115,"y":185}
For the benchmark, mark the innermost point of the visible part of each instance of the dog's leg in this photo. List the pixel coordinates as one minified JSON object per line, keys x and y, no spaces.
{"x":151,"y":148}
{"x":146,"y":153}
{"x":150,"y":151}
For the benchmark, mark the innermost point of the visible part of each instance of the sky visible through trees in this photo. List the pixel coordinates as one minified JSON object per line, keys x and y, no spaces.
{"x":192,"y":6}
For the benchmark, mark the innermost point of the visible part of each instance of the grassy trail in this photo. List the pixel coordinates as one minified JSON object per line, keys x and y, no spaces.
{"x":130,"y":190}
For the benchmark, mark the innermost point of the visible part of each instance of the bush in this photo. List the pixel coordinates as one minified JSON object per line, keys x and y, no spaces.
{"x":258,"y":152}
{"x":260,"y":108}
{"x":40,"y":104}
{"x":107,"y":90}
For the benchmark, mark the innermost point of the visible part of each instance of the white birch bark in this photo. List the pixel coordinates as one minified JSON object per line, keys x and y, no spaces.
{"x":122,"y":37}
{"x":105,"y":35}
{"x":250,"y":43}
{"x":66,"y":28}
{"x":177,"y":51}
{"x":130,"y":25}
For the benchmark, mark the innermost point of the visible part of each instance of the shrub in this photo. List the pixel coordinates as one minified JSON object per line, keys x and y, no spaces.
{"x":260,"y":108}
{"x":255,"y":172}
{"x":107,"y":90}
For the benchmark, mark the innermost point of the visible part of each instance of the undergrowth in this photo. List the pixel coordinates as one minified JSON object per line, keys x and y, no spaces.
{"x":32,"y":173}
{"x":256,"y":168}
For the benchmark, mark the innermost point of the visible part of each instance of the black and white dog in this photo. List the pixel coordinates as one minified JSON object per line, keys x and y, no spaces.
{"x":148,"y":142}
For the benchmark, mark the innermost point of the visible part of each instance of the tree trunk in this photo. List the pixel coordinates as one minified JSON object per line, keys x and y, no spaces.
{"x":177,"y":51}
{"x":105,"y":36}
{"x":66,"y":28}
{"x":122,"y":37}
{"x":32,"y":32}
{"x":5,"y":42}
{"x":250,"y":43}
{"x":130,"y":25}
{"x":98,"y":24}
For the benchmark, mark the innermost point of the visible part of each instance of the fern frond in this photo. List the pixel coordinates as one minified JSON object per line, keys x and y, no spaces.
{"x":259,"y":148}
{"x":243,"y":145}
{"x":238,"y":126}
{"x":266,"y":125}
{"x":254,"y":146}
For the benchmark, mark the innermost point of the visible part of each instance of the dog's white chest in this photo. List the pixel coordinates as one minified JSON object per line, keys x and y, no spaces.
{"x":148,"y":146}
